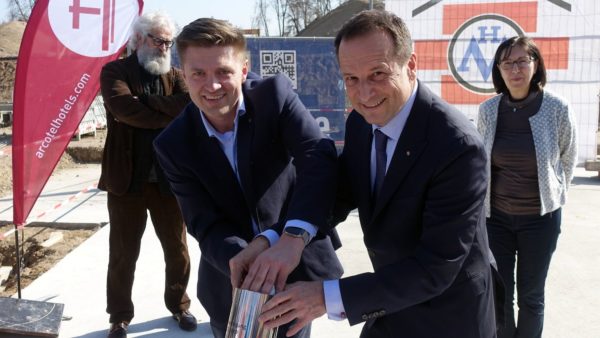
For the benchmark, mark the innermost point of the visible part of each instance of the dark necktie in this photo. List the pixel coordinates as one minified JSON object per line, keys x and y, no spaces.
{"x":380,"y":161}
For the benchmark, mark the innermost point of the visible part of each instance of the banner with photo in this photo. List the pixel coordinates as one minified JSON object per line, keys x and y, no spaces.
{"x":455,"y":42}
{"x":64,"y":46}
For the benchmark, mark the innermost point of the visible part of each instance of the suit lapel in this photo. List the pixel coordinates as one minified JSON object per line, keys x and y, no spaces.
{"x":410,"y":146}
{"x":225,"y":186}
{"x":209,"y":151}
{"x":166,"y":83}
{"x":134,"y":73}
{"x":364,"y":138}
{"x":244,"y":157}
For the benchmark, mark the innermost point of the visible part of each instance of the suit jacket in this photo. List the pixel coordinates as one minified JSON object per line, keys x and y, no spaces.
{"x":287,"y":170}
{"x":425,"y":235}
{"x":127,"y":108}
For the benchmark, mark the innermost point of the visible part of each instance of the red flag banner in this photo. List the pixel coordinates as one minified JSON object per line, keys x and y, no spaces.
{"x":65,"y":45}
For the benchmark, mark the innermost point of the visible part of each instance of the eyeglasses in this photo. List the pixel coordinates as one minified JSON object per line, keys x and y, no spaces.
{"x":159,"y":42}
{"x":521,"y":63}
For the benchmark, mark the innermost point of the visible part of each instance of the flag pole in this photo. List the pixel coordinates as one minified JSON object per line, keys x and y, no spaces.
{"x":18,"y":265}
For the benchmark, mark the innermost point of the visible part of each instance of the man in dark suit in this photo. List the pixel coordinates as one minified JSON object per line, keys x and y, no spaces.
{"x":142,"y":94}
{"x":415,"y":169}
{"x":252,"y":172}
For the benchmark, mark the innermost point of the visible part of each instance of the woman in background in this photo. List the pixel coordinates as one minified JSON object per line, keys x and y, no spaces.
{"x":529,"y":136}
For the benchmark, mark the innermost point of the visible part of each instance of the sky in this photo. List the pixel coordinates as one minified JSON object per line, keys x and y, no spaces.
{"x":238,"y":12}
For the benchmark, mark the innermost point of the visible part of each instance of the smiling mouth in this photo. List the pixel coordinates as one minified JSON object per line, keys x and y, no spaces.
{"x":374,"y":105}
{"x":213,"y":97}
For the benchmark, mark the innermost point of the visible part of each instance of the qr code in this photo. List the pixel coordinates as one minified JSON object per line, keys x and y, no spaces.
{"x":273,"y":62}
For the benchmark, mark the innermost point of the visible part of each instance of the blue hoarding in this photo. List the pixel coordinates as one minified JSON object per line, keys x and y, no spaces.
{"x":311,"y":65}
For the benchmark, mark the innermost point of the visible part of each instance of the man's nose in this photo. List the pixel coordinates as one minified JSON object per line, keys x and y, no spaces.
{"x":213,"y":83}
{"x":163,"y":47}
{"x":365,"y":90}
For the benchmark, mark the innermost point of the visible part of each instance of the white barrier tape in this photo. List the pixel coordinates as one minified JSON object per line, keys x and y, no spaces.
{"x":53,"y":208}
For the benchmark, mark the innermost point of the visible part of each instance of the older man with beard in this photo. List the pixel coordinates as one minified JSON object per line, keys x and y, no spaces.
{"x":142,"y":94}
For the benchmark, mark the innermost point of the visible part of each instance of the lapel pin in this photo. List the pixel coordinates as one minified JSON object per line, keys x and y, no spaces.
{"x":408,"y":153}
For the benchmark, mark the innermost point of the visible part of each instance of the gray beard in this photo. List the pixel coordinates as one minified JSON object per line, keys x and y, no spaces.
{"x":154,"y":63}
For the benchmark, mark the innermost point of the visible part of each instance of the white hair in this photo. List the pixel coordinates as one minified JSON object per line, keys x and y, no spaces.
{"x":148,"y":22}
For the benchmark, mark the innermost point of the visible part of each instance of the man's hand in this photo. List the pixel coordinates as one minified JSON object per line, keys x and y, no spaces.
{"x":303,"y":301}
{"x":272,"y":267}
{"x":240,"y":264}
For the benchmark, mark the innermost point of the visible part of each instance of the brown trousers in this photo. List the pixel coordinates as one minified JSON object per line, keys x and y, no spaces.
{"x":128,"y":215}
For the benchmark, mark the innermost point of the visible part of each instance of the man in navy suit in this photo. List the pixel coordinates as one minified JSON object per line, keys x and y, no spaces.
{"x":415,"y":168}
{"x":251,"y":171}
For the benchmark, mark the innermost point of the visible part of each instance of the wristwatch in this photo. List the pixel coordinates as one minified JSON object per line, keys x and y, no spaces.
{"x":298,"y":233}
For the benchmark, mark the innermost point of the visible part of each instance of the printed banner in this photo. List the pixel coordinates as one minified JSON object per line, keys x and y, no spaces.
{"x":64,"y":46}
{"x":455,"y":42}
{"x":311,"y":65}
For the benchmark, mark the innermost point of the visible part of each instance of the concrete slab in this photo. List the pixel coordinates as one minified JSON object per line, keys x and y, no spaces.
{"x":78,"y":281}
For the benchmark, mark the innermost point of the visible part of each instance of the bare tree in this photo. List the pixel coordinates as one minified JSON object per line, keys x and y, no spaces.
{"x":293,"y":15}
{"x":20,"y":9}
{"x":322,"y":7}
{"x":281,"y":9}
{"x":261,"y":19}
{"x":301,"y":13}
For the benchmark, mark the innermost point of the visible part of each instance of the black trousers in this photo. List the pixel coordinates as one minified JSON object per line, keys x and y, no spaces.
{"x":527,"y":241}
{"x":128,"y":215}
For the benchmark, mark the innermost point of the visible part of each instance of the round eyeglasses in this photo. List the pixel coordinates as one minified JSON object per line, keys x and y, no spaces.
{"x":159,"y":42}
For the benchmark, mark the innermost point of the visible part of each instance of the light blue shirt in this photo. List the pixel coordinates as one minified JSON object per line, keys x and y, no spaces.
{"x":393,"y":129}
{"x":228,"y":144}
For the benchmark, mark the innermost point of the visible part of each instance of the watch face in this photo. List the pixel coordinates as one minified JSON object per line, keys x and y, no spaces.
{"x":298,"y":232}
{"x":295,"y":231}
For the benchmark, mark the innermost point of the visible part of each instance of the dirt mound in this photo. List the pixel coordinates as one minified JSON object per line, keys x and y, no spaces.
{"x":11,"y":34}
{"x":36,"y":258}
{"x":10,"y":38}
{"x":7,"y":79}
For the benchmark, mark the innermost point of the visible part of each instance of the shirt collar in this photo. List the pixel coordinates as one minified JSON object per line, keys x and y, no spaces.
{"x":212,"y":132}
{"x":394,"y":127}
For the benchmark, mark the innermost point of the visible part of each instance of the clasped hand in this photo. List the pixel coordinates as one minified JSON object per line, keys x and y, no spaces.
{"x":260,"y":268}
{"x":302,"y":301}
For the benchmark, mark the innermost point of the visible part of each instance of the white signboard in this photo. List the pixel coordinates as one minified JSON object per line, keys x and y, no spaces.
{"x":455,"y":42}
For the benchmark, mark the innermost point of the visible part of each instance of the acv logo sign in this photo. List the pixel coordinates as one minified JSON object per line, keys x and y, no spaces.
{"x":472,"y":48}
{"x":97,"y":28}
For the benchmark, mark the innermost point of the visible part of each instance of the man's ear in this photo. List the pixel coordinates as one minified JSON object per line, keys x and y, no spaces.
{"x":183,"y":74}
{"x":139,"y":40}
{"x":412,"y":67}
{"x":245,"y":70}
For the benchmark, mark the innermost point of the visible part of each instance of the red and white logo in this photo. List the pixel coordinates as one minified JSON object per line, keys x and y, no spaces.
{"x":93,"y":28}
